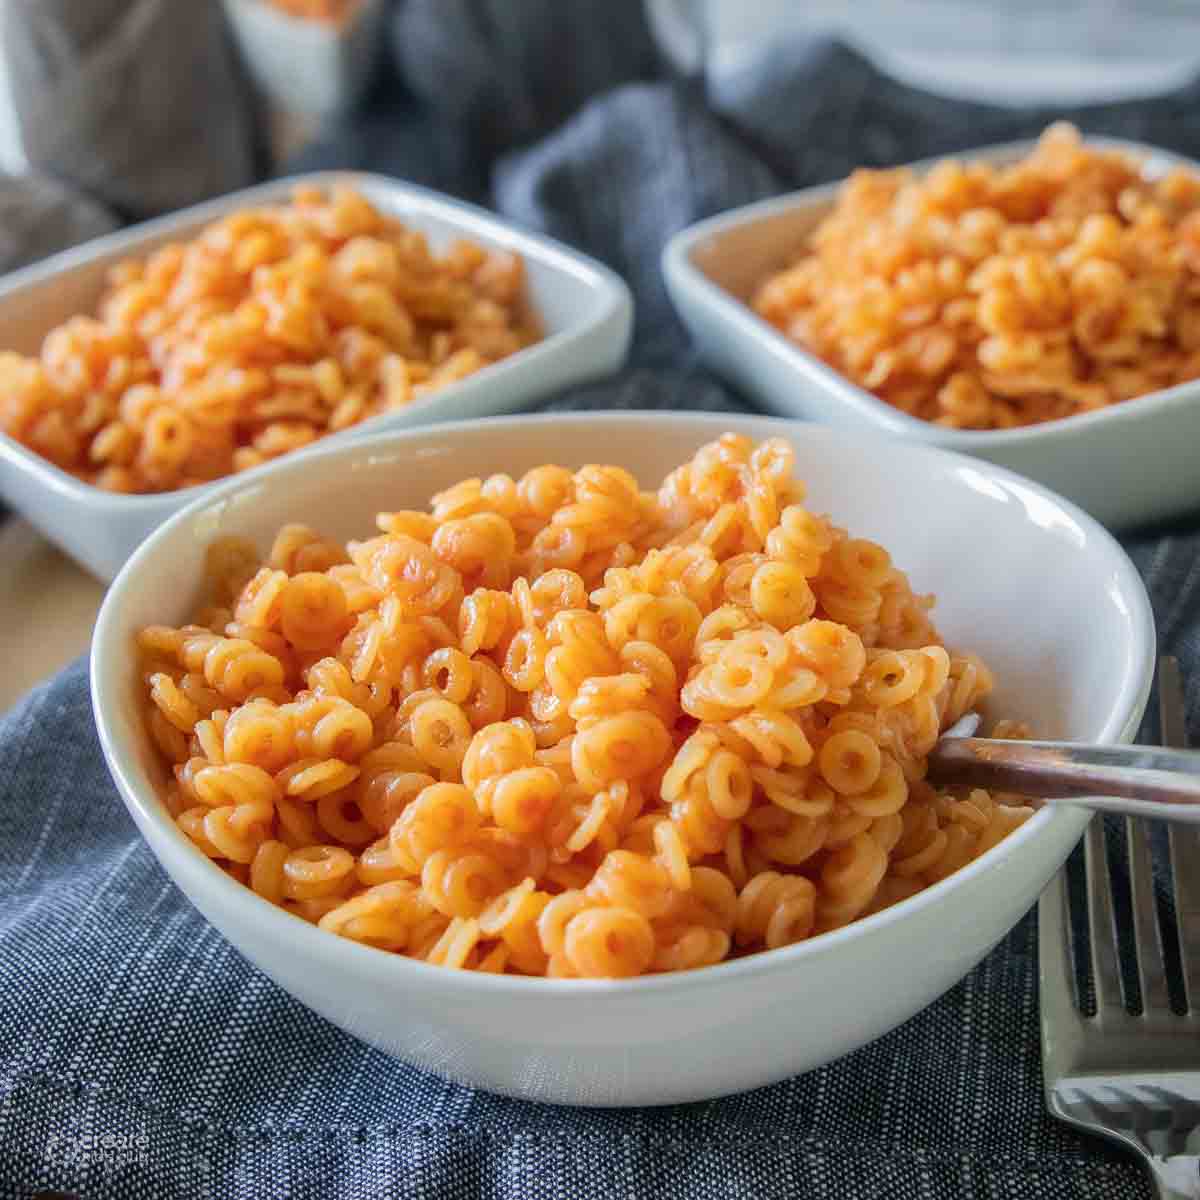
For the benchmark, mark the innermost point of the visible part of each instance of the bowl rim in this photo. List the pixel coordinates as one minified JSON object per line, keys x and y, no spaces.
{"x":611,"y":293}
{"x":682,"y":273}
{"x":109,"y":674}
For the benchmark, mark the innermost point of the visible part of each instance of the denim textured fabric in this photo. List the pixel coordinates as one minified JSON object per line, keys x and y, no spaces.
{"x":123,"y":1016}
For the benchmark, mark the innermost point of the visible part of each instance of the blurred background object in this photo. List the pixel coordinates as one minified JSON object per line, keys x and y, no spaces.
{"x":1002,"y":51}
{"x":506,"y":73}
{"x":12,"y":153}
{"x":314,"y":58}
{"x":315,"y":61}
{"x":139,"y":104}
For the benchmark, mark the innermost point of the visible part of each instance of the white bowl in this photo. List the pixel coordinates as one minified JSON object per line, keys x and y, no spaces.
{"x":1051,"y":602}
{"x":1127,"y":464}
{"x":311,"y":67}
{"x":585,"y":309}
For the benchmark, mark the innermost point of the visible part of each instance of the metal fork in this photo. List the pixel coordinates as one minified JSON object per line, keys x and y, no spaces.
{"x":1132,"y":1077}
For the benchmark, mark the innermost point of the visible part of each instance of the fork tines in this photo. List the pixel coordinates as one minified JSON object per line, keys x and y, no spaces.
{"x":1184,"y":842}
{"x":1130,"y":1071}
{"x":1148,"y":942}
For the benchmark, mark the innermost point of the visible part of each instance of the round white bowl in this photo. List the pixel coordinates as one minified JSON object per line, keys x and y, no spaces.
{"x":1023,"y":577}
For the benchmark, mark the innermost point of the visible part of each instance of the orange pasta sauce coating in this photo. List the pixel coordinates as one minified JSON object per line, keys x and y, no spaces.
{"x":561,"y":726}
{"x":988,"y":297}
{"x":271,"y":328}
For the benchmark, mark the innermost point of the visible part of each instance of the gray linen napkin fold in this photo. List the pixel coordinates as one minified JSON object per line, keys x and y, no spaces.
{"x":505,"y":72}
{"x":39,"y":216}
{"x":122,"y":1013}
{"x":138,"y":103}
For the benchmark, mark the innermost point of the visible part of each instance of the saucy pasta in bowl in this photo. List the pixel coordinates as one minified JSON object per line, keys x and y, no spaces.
{"x":563,"y":725}
{"x":277,"y":325}
{"x":558,"y":725}
{"x":1032,"y":304}
{"x":257,"y":325}
{"x":991,"y":296}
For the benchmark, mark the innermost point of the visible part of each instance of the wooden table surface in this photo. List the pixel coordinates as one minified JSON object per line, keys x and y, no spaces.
{"x":48,"y":606}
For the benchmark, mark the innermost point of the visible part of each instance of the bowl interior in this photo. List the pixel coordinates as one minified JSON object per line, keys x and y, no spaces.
{"x":1024,"y":579}
{"x":739,"y":256}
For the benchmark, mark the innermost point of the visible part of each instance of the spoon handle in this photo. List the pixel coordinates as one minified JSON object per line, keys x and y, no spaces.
{"x":1143,"y":781}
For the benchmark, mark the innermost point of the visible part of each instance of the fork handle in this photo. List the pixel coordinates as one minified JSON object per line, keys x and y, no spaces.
{"x":1177,"y":1177}
{"x":1145,"y":781}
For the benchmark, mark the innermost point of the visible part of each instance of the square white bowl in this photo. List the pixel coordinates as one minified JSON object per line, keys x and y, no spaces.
{"x":1127,"y":464}
{"x":316,"y":68}
{"x":585,"y":309}
{"x":1055,"y":607}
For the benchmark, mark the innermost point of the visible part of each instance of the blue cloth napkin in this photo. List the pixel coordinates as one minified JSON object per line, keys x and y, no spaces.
{"x":141,"y":1057}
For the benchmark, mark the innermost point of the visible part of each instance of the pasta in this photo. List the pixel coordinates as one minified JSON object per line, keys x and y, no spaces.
{"x":560,"y":726}
{"x":989,"y":297}
{"x":331,"y":12}
{"x":271,"y":328}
